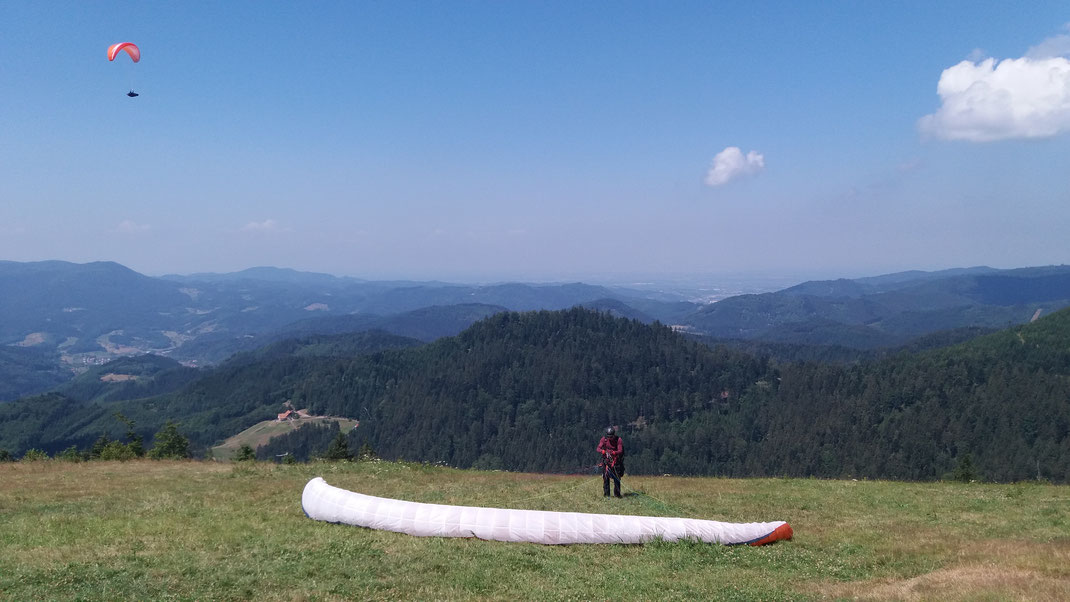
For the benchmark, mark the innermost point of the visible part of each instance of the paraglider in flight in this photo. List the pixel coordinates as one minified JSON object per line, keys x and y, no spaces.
{"x":129,"y":48}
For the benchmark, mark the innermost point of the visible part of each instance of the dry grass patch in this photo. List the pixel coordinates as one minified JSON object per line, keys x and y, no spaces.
{"x":990,"y":569}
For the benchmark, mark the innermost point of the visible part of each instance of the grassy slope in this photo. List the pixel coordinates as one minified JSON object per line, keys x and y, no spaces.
{"x":201,"y":530}
{"x":262,"y":432}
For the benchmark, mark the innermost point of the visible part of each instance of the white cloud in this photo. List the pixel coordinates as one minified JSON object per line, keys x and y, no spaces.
{"x":1027,"y":97}
{"x":1055,"y":46}
{"x":131,"y":227}
{"x":268,"y":225}
{"x":731,"y":163}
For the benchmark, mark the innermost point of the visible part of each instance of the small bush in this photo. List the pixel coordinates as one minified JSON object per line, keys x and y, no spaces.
{"x":71,"y":454}
{"x":965,"y":471}
{"x":245,"y":453}
{"x":366,"y":453}
{"x":34,"y":455}
{"x":487,"y":462}
{"x":116,"y":450}
{"x":169,"y":443}
{"x":98,"y":446}
{"x":338,"y":449}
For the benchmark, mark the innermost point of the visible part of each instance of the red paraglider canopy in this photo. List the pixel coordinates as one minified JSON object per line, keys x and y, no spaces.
{"x":129,"y":47}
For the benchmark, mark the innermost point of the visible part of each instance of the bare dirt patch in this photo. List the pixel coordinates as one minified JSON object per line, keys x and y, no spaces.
{"x":34,"y":338}
{"x":112,"y":377}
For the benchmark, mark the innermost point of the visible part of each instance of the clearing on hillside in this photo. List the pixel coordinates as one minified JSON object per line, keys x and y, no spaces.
{"x":262,"y":432}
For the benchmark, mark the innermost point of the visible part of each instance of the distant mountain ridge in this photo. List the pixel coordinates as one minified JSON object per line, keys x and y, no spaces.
{"x":266,"y":274}
{"x":79,"y":315}
{"x":890,"y":310}
{"x":86,"y":314}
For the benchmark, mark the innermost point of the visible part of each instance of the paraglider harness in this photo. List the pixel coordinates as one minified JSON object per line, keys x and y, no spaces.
{"x":612,"y":469}
{"x":611,"y":462}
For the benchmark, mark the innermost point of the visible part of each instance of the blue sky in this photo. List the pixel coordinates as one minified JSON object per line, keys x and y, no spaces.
{"x":537,"y":140}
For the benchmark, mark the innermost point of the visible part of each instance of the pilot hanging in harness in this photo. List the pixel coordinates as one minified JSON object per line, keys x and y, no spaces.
{"x":612,"y":449}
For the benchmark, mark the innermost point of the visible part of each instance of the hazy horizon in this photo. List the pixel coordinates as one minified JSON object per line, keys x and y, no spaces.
{"x":735,"y":282}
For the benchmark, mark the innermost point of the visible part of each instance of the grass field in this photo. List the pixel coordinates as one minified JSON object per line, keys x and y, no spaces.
{"x":150,"y":530}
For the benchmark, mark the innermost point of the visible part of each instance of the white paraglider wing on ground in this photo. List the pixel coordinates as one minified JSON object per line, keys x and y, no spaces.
{"x":321,"y":501}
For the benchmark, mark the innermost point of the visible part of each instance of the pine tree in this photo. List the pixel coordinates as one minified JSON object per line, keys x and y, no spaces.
{"x":965,"y":472}
{"x":98,"y":446}
{"x":134,"y":441}
{"x":338,"y":449}
{"x":169,"y":443}
{"x":245,"y":453}
{"x":366,"y":453}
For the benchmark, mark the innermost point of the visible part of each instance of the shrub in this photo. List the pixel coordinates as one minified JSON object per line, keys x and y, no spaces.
{"x":134,"y":441}
{"x":71,"y":454}
{"x":366,"y":453}
{"x":169,"y":443}
{"x":116,"y":450}
{"x":487,"y":462}
{"x":98,"y":446}
{"x":34,"y":455}
{"x":964,"y":471}
{"x":338,"y":449}
{"x":245,"y":453}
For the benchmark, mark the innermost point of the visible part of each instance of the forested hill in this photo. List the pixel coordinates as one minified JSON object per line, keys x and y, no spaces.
{"x":1003,"y":400}
{"x":25,"y":370}
{"x":532,"y":391}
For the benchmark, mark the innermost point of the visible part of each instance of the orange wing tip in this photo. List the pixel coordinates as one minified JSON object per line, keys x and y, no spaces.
{"x":782,"y":532}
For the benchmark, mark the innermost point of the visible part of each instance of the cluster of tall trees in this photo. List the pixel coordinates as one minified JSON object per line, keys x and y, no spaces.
{"x":303,"y":443}
{"x":168,"y":444}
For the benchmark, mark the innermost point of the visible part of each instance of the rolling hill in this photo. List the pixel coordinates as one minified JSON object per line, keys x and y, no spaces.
{"x":890,"y":310}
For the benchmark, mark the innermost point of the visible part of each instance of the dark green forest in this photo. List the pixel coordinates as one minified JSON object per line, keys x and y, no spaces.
{"x":24,"y":370}
{"x":532,"y":391}
{"x":149,"y":375}
{"x":303,"y":443}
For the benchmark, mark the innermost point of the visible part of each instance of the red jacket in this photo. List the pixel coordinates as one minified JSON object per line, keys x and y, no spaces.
{"x":614,"y":447}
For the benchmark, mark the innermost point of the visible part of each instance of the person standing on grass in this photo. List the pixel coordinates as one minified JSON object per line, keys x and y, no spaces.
{"x":612,"y":449}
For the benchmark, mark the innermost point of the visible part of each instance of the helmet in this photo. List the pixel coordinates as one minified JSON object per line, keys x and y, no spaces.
{"x":611,"y":431}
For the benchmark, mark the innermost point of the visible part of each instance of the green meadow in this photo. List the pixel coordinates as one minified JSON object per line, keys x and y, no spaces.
{"x":187,"y":530}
